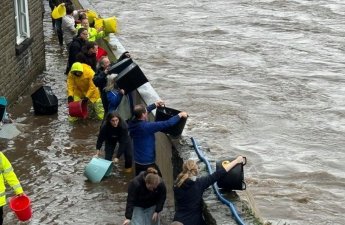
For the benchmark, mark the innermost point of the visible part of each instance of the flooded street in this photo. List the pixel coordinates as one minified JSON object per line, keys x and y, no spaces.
{"x":261,"y":78}
{"x":50,"y":154}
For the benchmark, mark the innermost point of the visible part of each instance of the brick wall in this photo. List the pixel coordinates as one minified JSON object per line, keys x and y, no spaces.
{"x":18,"y":71}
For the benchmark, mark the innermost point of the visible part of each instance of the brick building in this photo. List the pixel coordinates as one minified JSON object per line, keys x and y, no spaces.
{"x":21,"y":45}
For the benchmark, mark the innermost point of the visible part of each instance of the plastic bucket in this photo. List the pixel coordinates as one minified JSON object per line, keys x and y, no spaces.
{"x":97,"y":169}
{"x":3,"y":101}
{"x":59,"y":11}
{"x":110,"y":25}
{"x":20,"y":205}
{"x":91,"y":15}
{"x":78,"y":109}
{"x":98,"y":23}
{"x":165,"y":113}
{"x":234,"y":179}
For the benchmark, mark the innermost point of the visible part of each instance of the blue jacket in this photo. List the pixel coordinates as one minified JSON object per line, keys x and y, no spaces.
{"x":114,"y":100}
{"x":143,"y":135}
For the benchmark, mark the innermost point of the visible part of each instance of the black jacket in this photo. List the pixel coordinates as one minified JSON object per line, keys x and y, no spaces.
{"x":188,"y":198}
{"x":110,"y":134}
{"x":140,"y":196}
{"x":74,"y":48}
{"x":89,"y":59}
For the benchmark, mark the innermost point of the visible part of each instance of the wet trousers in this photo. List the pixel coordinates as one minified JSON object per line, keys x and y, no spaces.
{"x":142,"y":216}
{"x":109,"y":149}
{"x":96,"y":107}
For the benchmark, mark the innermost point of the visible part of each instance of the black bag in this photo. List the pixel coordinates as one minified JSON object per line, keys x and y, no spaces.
{"x":165,"y":113}
{"x":44,"y":101}
{"x":234,"y":179}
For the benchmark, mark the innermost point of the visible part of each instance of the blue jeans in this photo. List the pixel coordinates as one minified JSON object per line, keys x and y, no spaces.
{"x":142,"y":216}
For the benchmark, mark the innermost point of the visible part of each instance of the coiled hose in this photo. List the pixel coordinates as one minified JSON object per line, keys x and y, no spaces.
{"x":215,"y":186}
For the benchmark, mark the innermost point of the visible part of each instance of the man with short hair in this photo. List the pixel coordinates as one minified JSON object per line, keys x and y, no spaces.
{"x":143,"y":132}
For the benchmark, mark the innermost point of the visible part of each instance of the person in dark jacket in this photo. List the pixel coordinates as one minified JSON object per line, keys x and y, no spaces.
{"x":114,"y":131}
{"x":87,"y":54}
{"x":145,"y":199}
{"x":75,"y":47}
{"x":100,"y":79}
{"x":143,"y":134}
{"x":188,"y":191}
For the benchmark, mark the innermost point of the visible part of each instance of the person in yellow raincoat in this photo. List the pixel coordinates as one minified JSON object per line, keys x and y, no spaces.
{"x":8,"y":176}
{"x":94,"y":34}
{"x":80,"y":86}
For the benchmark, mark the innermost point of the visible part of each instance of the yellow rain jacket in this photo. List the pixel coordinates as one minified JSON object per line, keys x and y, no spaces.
{"x":82,"y":86}
{"x":8,"y":175}
{"x":93,"y":33}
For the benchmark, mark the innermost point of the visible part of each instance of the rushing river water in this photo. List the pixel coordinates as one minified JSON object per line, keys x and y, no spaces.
{"x":260,"y":78}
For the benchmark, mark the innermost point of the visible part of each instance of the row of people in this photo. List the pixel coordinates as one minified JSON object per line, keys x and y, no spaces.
{"x":147,"y":194}
{"x":136,"y":140}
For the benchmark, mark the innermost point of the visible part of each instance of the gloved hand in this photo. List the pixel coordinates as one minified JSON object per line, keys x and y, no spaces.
{"x":70,"y":99}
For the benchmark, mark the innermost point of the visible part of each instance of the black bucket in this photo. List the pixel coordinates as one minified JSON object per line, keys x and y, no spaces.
{"x":131,"y":78}
{"x":165,"y":113}
{"x":120,"y":66}
{"x":44,"y":101}
{"x":234,"y":179}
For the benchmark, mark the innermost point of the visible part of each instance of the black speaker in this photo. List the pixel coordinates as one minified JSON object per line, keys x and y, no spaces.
{"x":234,"y":179}
{"x":131,"y":78}
{"x":165,"y":113}
{"x":119,"y":66}
{"x":44,"y":101}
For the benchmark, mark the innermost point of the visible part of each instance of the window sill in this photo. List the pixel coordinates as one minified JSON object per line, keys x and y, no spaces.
{"x":23,"y":46}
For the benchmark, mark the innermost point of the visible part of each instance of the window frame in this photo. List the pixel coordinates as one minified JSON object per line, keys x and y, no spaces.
{"x":22,"y":20}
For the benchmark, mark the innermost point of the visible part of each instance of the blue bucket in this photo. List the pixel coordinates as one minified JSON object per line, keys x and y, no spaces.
{"x":3,"y":104}
{"x":97,"y":169}
{"x":3,"y":101}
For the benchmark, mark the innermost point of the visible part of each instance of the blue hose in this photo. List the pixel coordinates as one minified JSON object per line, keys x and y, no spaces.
{"x":215,"y":186}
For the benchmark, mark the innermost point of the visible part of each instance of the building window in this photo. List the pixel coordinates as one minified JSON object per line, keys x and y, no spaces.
{"x":22,"y":20}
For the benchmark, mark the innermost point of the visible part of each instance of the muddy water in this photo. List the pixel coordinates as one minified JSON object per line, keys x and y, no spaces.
{"x":261,"y":78}
{"x":50,"y":154}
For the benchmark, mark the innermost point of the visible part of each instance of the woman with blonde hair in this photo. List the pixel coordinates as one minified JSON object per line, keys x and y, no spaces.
{"x":145,"y":199}
{"x":114,"y":94}
{"x":188,"y":191}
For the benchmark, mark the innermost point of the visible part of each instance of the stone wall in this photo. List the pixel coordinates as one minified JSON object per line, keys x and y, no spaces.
{"x":21,"y":64}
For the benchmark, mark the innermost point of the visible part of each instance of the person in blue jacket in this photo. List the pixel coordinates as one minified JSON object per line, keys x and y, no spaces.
{"x":143,"y":132}
{"x":114,"y":94}
{"x":114,"y":131}
{"x":188,"y":191}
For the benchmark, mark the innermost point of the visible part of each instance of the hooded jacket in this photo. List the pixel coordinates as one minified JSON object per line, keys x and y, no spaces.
{"x":83,"y":86}
{"x":188,"y":198}
{"x":143,"y":135}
